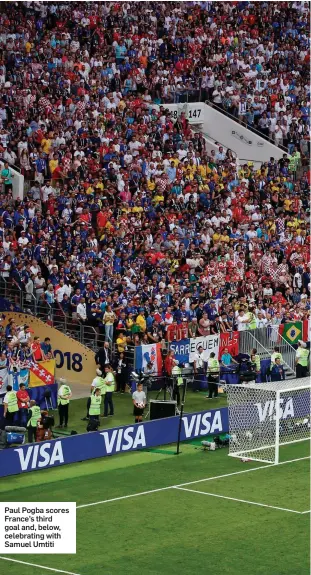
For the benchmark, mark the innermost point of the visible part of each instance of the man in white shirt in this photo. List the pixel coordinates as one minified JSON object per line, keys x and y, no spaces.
{"x":46,"y":191}
{"x":22,"y":240}
{"x":261,"y":320}
{"x":242,"y":321}
{"x":81,"y":310}
{"x":61,"y":290}
{"x":24,"y":334}
{"x":199,"y":369}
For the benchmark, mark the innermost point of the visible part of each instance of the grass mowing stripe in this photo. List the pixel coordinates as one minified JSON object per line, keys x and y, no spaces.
{"x":238,"y":500}
{"x":190,"y":483}
{"x":39,"y":566}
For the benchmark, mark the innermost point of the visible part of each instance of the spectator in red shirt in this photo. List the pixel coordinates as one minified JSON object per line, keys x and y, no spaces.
{"x":23,"y":401}
{"x":36,"y":350}
{"x":169,"y":362}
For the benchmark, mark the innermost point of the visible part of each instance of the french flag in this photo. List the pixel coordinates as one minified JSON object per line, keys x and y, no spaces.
{"x":146,"y":353}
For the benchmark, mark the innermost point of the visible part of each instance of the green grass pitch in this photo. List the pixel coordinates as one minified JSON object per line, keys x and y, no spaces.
{"x":209,"y":526}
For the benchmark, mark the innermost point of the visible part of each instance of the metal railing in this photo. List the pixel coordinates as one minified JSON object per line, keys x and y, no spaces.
{"x":89,"y":336}
{"x":265,"y":339}
{"x":52,"y":315}
{"x":247,"y":341}
{"x":288,"y":353}
{"x":225,"y":112}
{"x":183,"y":96}
{"x":9,"y":289}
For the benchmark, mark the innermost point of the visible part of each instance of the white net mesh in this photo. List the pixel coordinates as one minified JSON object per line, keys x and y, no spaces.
{"x":263,"y":417}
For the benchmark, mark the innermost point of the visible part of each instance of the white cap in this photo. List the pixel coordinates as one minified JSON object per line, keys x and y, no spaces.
{"x":302,"y":343}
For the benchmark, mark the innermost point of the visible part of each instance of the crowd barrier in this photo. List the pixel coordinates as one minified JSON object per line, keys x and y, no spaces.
{"x":124,"y":439}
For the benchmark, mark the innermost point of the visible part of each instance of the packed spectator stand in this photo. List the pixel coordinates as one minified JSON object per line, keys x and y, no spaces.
{"x":128,"y":224}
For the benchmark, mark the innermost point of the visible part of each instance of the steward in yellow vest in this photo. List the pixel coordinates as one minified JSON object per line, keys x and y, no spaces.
{"x":96,"y":399}
{"x":34,"y":414}
{"x":213,"y":371}
{"x":10,"y":406}
{"x":302,"y":359}
{"x":177,"y":381}
{"x":64,"y":396}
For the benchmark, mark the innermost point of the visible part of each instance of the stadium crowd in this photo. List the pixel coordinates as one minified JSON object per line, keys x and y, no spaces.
{"x":128,"y":223}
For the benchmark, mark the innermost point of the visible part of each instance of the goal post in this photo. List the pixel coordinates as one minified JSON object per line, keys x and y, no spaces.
{"x":263,"y":417}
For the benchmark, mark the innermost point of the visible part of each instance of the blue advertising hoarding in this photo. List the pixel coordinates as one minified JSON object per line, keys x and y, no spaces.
{"x":147,"y":435}
{"x":111,"y":441}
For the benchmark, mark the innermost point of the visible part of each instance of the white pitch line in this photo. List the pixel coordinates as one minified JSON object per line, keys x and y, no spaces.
{"x":39,"y":566}
{"x":238,"y":500}
{"x":189,"y":483}
{"x":304,"y":512}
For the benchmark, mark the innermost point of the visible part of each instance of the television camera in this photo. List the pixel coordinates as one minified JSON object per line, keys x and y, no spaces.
{"x":247,"y":371}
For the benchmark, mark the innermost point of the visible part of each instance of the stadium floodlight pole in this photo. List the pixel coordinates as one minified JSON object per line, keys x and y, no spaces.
{"x":181,"y":416}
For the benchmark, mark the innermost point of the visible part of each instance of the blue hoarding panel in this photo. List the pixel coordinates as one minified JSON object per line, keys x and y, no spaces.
{"x":111,"y":441}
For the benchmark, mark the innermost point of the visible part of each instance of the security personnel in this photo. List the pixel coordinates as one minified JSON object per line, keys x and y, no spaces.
{"x":34,"y":414}
{"x":64,"y":395}
{"x":110,"y":383}
{"x":276,"y":355}
{"x":255,"y":359}
{"x":177,"y":381}
{"x":252,"y":324}
{"x":96,"y":399}
{"x":302,"y":357}
{"x":98,"y":382}
{"x":10,"y":406}
{"x":213,"y":371}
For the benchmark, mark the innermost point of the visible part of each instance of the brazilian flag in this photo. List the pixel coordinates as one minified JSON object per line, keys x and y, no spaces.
{"x":292,"y":332}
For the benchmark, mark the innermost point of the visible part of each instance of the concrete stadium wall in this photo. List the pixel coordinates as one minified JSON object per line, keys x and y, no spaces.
{"x":74,"y":361}
{"x":215,"y":125}
{"x":17,"y":183}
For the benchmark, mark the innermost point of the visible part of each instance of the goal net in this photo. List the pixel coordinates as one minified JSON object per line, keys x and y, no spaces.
{"x":263,"y":417}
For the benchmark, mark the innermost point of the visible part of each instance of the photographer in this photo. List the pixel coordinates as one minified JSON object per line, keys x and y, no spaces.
{"x":148,"y":372}
{"x":121,"y":373}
